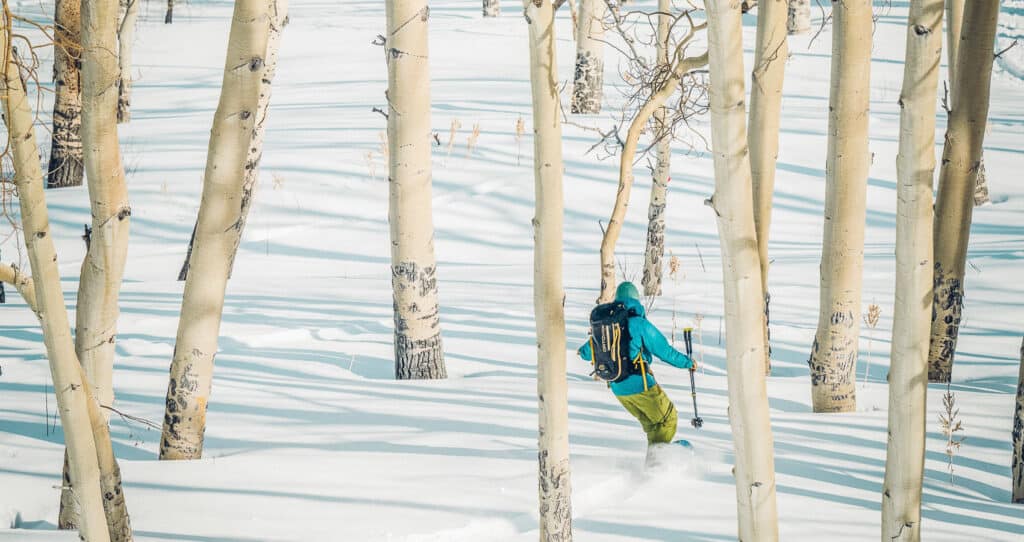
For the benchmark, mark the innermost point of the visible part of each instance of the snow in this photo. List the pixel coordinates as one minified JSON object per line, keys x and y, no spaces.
{"x":308,"y":436}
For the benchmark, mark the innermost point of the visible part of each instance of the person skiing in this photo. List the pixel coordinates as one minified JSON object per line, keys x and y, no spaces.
{"x":638,"y":392}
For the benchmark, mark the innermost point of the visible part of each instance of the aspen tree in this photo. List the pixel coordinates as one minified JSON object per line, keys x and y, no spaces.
{"x":279,"y":16}
{"x":733,"y":205}
{"x":68,"y":380}
{"x":682,"y":65}
{"x":554,"y":484}
{"x":97,"y":310}
{"x":798,"y":20}
{"x":217,"y":232}
{"x":1017,"y":438}
{"x":833,"y":359}
{"x":961,"y":161}
{"x":491,"y":8}
{"x":65,"y":167}
{"x":954,"y":25}
{"x":915,"y":170}
{"x":588,"y":81}
{"x":770,"y":53}
{"x":662,"y":172}
{"x":418,"y":347}
{"x":125,"y":43}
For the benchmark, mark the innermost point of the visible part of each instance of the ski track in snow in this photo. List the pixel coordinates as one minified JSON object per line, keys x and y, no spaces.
{"x":308,"y":436}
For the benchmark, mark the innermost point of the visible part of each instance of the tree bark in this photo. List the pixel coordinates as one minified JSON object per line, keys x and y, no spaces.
{"x":798,"y":20}
{"x":169,"y":15}
{"x":125,"y":43}
{"x":492,"y":8}
{"x":588,"y":81}
{"x":833,"y":359}
{"x":23,"y":283}
{"x":1017,"y":461}
{"x":655,"y":252}
{"x":636,"y":128}
{"x":954,"y":25}
{"x":279,"y":16}
{"x":961,"y":160}
{"x":65,"y":168}
{"x":72,"y":391}
{"x":770,"y":53}
{"x":554,"y":484}
{"x":217,"y":233}
{"x":103,"y":267}
{"x":418,"y":347}
{"x":733,"y":204}
{"x":915,"y":170}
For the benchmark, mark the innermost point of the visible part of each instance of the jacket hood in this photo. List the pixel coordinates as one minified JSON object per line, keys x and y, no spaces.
{"x":634,"y":305}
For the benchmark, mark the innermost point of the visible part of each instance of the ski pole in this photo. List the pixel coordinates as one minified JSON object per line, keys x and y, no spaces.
{"x":697,"y":421}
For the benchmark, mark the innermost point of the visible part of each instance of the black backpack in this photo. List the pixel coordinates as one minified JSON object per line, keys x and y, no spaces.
{"x":609,"y":342}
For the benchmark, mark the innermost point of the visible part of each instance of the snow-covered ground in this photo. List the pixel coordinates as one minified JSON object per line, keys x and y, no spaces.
{"x":308,"y":436}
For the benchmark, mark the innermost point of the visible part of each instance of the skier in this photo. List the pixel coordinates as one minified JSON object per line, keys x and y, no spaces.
{"x":638,"y":392}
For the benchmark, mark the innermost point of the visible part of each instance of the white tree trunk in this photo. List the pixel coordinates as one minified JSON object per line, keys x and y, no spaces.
{"x":492,"y":8}
{"x":217,"y":233}
{"x":733,"y":204}
{"x":961,"y":161}
{"x":833,"y":359}
{"x":279,"y":16}
{"x":636,"y":128}
{"x":65,"y":168}
{"x":99,"y":285}
{"x":770,"y":53}
{"x":554,"y":484}
{"x":1017,"y":438}
{"x":418,"y":347}
{"x":798,"y":21}
{"x":655,"y":251}
{"x":23,"y":283}
{"x":71,"y":389}
{"x":915,"y":170}
{"x":588,"y":81}
{"x":954,"y":25}
{"x":103,"y":266}
{"x":125,"y":43}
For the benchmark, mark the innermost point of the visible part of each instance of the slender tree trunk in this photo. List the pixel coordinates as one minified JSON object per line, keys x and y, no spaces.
{"x":915,"y":170}
{"x":10,"y":274}
{"x":733,"y":204}
{"x":833,"y":359}
{"x":798,"y":21}
{"x":492,"y":8}
{"x":169,"y":16}
{"x":961,"y":160}
{"x":954,"y":25}
{"x":588,"y":82}
{"x":655,"y":252}
{"x":71,"y":389}
{"x":418,"y":348}
{"x":125,"y":42}
{"x":279,"y":15}
{"x":217,"y":233}
{"x":770,"y":53}
{"x":555,"y":488}
{"x":636,"y":128}
{"x":99,"y":285}
{"x":65,"y":168}
{"x":1017,"y":461}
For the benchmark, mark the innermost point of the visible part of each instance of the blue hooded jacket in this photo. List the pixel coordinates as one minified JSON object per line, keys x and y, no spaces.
{"x":644,"y":339}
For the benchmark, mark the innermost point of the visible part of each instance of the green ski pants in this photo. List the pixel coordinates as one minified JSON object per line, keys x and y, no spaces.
{"x":655,"y":412}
